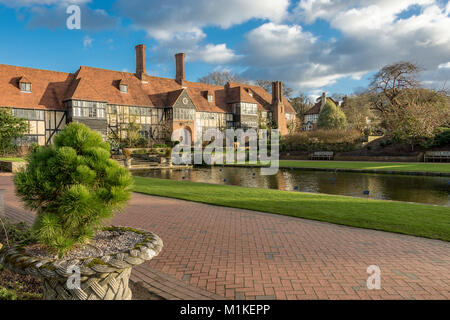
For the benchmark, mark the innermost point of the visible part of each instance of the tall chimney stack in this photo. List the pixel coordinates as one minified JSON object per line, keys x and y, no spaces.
{"x":140,"y":61}
{"x":179,"y":64}
{"x":278,"y":112}
{"x":277,"y":92}
{"x":324,"y":100}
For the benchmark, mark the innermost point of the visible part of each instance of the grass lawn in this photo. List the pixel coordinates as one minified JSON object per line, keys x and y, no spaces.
{"x":13,"y":159}
{"x":364,"y":165}
{"x":413,"y":219}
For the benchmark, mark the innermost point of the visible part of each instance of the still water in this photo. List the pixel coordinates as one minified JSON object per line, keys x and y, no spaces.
{"x":422,"y":189}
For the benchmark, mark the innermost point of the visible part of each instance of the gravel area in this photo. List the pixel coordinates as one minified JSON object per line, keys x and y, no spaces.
{"x":104,"y":243}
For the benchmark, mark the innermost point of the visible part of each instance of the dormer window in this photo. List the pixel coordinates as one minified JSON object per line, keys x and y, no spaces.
{"x":210,"y":97}
{"x":25,"y":87}
{"x":24,"y":84}
{"x":123,"y":88}
{"x":250,"y":94}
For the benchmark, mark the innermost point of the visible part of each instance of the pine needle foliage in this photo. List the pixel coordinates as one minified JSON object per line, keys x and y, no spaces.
{"x":73,"y":186}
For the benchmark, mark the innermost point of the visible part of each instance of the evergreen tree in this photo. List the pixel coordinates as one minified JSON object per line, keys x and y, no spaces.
{"x":10,"y":128}
{"x":72,"y":185}
{"x":331,"y":117}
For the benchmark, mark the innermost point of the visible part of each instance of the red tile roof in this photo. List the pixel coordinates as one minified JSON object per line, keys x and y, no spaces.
{"x":315,"y":109}
{"x":48,"y":88}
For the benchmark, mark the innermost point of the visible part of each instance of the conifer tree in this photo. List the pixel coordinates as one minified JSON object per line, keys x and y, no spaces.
{"x":331,"y":117}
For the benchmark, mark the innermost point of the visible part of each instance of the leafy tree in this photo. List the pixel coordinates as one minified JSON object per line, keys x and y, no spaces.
{"x":331,"y":117}
{"x":10,"y":128}
{"x":133,"y":135}
{"x":73,"y":186}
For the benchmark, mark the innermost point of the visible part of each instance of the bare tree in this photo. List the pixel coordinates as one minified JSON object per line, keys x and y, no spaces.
{"x":390,"y":82}
{"x":267,"y":85}
{"x":301,"y":104}
{"x":220,"y":78}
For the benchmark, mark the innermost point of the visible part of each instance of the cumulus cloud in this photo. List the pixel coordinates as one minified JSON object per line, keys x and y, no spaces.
{"x":374,"y":33}
{"x":51,"y":14}
{"x":30,"y":3}
{"x":162,"y":19}
{"x":191,"y":44}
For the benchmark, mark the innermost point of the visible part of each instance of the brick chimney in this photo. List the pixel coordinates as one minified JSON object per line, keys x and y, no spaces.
{"x":179,"y":64}
{"x":278,"y":111}
{"x":140,"y":61}
{"x":324,"y":100}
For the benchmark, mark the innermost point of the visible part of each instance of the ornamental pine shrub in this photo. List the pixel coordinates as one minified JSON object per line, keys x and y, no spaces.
{"x":73,"y":186}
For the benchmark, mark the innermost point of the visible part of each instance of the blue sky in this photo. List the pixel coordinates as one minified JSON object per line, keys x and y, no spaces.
{"x":311,"y":45}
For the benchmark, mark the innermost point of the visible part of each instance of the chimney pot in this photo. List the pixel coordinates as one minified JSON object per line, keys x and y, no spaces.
{"x":140,"y":61}
{"x":179,"y":65}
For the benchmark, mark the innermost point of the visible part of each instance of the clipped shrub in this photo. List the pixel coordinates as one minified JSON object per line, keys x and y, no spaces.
{"x":326,"y":140}
{"x":73,"y":186}
{"x":442,"y":138}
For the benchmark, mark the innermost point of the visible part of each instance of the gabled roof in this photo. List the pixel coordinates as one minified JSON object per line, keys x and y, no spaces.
{"x":48,"y":91}
{"x":315,"y":109}
{"x":103,"y":85}
{"x":173,"y":96}
{"x":262,"y":97}
{"x":51,"y":88}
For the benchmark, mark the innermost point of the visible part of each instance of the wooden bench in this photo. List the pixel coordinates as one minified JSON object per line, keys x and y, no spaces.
{"x":322,"y":155}
{"x":437,"y":156}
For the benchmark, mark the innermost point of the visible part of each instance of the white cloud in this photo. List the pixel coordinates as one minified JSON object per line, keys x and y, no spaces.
{"x":213,"y":54}
{"x":373,"y":35}
{"x":278,"y":44}
{"x":162,"y":19}
{"x":444,"y":65}
{"x":311,"y":10}
{"x":30,"y":3}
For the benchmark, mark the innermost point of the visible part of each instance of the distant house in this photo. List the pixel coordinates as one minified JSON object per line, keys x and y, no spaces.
{"x":312,"y":115}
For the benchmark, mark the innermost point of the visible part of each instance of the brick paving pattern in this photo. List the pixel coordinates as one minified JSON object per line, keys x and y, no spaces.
{"x":211,"y":252}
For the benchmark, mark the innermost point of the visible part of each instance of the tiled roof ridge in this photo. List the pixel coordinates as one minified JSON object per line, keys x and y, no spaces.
{"x":35,"y":69}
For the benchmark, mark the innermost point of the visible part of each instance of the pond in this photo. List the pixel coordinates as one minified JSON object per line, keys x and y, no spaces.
{"x":421,"y":189}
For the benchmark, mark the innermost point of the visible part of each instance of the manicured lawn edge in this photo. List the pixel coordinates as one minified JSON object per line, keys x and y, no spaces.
{"x":13,"y":159}
{"x":406,"y":168}
{"x":400,"y":217}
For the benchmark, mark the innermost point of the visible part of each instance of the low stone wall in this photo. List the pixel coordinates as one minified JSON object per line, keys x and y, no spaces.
{"x":343,"y":157}
{"x":416,"y":158}
{"x":11,"y":166}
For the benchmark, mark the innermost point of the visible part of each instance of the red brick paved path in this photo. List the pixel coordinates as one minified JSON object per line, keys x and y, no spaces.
{"x":240,"y":254}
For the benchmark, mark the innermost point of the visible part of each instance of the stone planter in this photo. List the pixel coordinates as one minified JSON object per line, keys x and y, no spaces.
{"x":99,"y":278}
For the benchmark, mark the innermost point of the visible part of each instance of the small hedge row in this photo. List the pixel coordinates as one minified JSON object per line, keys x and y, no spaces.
{"x":337,"y":140}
